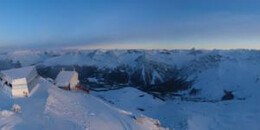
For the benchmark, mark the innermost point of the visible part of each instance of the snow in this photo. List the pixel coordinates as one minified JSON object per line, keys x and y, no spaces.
{"x":235,"y":70}
{"x":146,"y":122}
{"x":102,"y":59}
{"x":53,"y":108}
{"x":64,"y":78}
{"x":26,"y":57}
{"x":156,"y":75}
{"x":240,"y":77}
{"x":66,"y":60}
{"x":8,"y":120}
{"x":92,"y":58}
{"x":143,"y":74}
{"x":178,"y":114}
{"x":18,"y":73}
{"x":93,"y":80}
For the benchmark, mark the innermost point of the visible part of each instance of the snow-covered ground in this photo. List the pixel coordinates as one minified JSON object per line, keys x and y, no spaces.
{"x":52,"y":108}
{"x":228,"y":115}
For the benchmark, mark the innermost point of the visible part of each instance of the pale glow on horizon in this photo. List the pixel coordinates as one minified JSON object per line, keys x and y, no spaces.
{"x":164,"y":46}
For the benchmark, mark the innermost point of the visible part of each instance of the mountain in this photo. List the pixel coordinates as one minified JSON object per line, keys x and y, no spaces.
{"x":154,"y":71}
{"x":183,"y":89}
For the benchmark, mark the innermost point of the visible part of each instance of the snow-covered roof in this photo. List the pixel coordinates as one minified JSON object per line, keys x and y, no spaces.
{"x":64,"y":78}
{"x":18,"y":73}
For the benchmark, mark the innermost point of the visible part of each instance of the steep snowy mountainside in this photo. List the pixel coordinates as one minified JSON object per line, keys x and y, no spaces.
{"x":235,"y":71}
{"x":103,"y":58}
{"x":132,"y":67}
{"x":205,"y":70}
{"x":128,"y":57}
{"x":239,"y":76}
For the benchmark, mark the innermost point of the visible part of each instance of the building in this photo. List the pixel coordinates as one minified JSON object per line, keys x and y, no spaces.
{"x":18,"y":82}
{"x":67,"y":79}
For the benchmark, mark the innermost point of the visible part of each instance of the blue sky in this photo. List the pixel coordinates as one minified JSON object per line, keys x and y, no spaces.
{"x":130,"y":23}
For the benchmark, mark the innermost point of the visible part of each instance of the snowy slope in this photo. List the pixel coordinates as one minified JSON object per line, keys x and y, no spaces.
{"x":53,"y":108}
{"x":178,"y":114}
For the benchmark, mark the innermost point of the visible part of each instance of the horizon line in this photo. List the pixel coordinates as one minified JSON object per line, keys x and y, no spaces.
{"x":162,"y":46}
{"x":136,"y":46}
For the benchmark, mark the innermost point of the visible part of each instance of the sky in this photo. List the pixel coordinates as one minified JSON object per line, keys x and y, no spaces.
{"x":147,"y":24}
